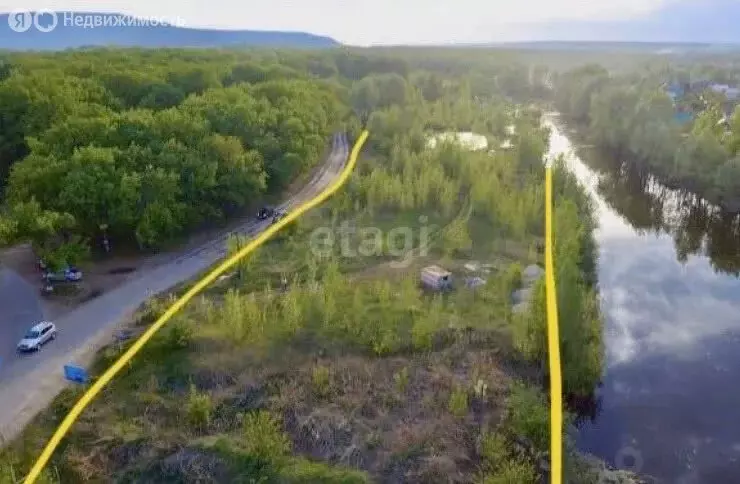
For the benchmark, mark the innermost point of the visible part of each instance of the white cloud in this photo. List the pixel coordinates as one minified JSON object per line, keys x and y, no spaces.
{"x":355,"y":22}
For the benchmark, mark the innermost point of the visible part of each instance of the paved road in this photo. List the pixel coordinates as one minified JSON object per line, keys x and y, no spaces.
{"x":20,"y":308}
{"x":29,"y":382}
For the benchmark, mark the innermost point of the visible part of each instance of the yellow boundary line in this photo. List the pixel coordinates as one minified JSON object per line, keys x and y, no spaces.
{"x":113,"y":370}
{"x":556,"y":405}
{"x":553,"y":344}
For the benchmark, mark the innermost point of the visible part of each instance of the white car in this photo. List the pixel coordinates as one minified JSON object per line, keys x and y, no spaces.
{"x":37,"y":336}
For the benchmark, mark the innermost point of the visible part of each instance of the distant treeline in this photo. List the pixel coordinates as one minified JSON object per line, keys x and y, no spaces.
{"x":633,"y":117}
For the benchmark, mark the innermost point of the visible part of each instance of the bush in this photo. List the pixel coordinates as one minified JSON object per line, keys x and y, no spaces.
{"x":458,"y":403}
{"x":401,"y":379}
{"x":494,"y":451}
{"x":500,"y":466}
{"x":529,"y":416}
{"x":578,"y":310}
{"x":513,"y":472}
{"x":179,"y":335}
{"x":320,"y":378}
{"x":513,"y":277}
{"x":199,"y":408}
{"x":299,"y":471}
{"x":263,"y":436}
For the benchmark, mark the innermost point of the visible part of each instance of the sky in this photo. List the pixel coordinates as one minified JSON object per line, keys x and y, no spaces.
{"x":367,"y":23}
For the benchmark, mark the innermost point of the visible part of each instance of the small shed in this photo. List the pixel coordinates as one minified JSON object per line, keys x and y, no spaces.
{"x":437,"y":278}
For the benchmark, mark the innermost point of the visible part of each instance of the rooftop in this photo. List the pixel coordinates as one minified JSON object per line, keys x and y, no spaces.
{"x":437,"y":271}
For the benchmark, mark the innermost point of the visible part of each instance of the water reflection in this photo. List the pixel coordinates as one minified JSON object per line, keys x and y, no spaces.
{"x":668,"y":266}
{"x":696,"y":227}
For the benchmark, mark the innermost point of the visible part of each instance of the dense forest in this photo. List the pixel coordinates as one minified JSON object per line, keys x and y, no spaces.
{"x":304,"y":367}
{"x":147,"y":120}
{"x":107,"y":141}
{"x":632,"y":117}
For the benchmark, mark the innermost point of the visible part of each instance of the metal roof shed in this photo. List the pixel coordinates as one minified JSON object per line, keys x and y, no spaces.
{"x":437,"y":278}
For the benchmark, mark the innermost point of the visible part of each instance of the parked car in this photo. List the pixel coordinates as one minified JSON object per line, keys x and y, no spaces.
{"x":265,"y":213}
{"x":68,"y":274}
{"x":37,"y":336}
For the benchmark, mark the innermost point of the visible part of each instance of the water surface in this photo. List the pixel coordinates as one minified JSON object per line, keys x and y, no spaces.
{"x":668,"y":276}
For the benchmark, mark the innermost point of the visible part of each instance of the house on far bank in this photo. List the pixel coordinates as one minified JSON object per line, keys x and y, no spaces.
{"x":699,"y":86}
{"x":731,"y":93}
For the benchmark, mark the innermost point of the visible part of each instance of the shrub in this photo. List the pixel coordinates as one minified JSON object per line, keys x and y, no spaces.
{"x":179,"y":335}
{"x":264,"y":437}
{"x":513,"y":472}
{"x":513,"y":277}
{"x":299,"y":471}
{"x":320,"y":378}
{"x":458,"y":404}
{"x":199,"y":408}
{"x":529,"y":416}
{"x":401,"y":379}
{"x":494,"y":451}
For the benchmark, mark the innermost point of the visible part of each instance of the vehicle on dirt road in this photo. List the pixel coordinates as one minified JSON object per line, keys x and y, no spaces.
{"x":37,"y":336}
{"x":265,"y":213}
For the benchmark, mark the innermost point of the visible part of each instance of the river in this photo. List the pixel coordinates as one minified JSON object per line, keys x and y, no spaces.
{"x":668,"y":270}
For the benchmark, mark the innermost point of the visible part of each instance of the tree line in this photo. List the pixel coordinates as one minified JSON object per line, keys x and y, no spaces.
{"x":105,"y":142}
{"x":649,"y":206}
{"x":633,"y":118}
{"x":143,"y":146}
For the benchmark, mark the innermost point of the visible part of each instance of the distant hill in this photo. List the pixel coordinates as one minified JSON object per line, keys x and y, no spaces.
{"x":684,"y":21}
{"x":71,"y":36}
